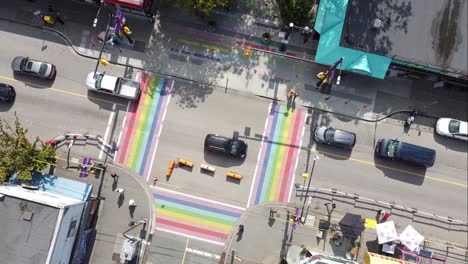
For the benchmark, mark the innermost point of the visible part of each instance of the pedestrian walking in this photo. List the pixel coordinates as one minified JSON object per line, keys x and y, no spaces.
{"x":273,"y":212}
{"x":155,"y":180}
{"x":322,"y":76}
{"x":292,"y":95}
{"x":385,"y":216}
{"x":295,"y":94}
{"x":241,"y":228}
{"x":115,"y":177}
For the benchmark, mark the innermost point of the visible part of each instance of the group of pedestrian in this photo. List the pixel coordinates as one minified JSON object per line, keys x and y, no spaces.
{"x":292,"y":95}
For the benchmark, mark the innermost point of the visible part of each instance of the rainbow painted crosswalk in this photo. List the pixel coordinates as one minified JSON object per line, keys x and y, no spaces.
{"x":143,"y":124}
{"x":278,"y":155}
{"x":194,"y":217}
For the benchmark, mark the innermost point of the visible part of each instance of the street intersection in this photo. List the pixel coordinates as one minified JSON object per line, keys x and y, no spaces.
{"x":173,"y":115}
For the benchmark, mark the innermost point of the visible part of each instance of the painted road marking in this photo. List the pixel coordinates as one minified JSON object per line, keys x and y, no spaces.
{"x":61,"y":91}
{"x":280,"y":149}
{"x":194,"y":217}
{"x":203,"y":253}
{"x":106,"y":134}
{"x":143,"y":124}
{"x":185,"y":251}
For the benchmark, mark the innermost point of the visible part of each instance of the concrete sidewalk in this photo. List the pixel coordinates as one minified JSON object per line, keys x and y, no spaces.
{"x":275,"y":236}
{"x":178,"y":45}
{"x":115,"y":213}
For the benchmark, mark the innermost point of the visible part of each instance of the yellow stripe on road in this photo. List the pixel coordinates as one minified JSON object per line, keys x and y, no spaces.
{"x":390,"y":168}
{"x":62,"y":91}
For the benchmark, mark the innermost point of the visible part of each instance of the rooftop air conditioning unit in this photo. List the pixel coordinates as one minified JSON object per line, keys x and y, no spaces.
{"x":377,"y":23}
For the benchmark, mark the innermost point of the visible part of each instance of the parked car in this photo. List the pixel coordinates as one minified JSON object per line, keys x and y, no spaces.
{"x":335,"y":137}
{"x":7,"y":92}
{"x":452,"y":128}
{"x":25,"y":65}
{"x":108,"y":84}
{"x":231,"y":146}
{"x":394,"y":149}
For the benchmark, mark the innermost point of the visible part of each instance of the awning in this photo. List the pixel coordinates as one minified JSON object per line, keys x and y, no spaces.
{"x":351,"y":225}
{"x":386,"y":232}
{"x":135,"y":4}
{"x":411,"y":238}
{"x":372,"y":258}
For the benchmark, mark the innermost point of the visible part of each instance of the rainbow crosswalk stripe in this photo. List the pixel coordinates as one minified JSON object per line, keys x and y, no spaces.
{"x":278,"y":155}
{"x":143,"y":124}
{"x":194,"y":217}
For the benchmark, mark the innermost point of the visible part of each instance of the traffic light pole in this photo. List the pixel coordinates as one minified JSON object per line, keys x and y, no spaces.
{"x":105,"y":36}
{"x":308,"y":187}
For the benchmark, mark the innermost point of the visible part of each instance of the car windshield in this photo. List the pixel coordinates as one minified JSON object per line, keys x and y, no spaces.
{"x":329,"y":134}
{"x":43,"y":68}
{"x":98,"y":80}
{"x":234,"y":147}
{"x":392,"y":148}
{"x":454,"y":126}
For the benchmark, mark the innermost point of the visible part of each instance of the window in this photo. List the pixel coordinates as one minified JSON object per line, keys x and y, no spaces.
{"x":392,"y":148}
{"x":98,"y":78}
{"x":329,"y":134}
{"x":43,"y":69}
{"x":454,"y":126}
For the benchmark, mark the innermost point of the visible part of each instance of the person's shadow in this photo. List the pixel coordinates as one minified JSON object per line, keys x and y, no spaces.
{"x":121,"y":199}
{"x":131,"y":209}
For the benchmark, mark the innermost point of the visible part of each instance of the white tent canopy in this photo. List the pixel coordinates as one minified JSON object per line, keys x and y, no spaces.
{"x":411,"y":238}
{"x":386,"y":232}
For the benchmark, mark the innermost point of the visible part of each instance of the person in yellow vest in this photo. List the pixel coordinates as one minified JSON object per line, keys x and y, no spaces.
{"x":323,"y":78}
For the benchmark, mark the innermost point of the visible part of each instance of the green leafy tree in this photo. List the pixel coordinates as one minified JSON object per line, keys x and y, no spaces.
{"x":18,"y":154}
{"x":199,"y":7}
{"x":299,"y":12}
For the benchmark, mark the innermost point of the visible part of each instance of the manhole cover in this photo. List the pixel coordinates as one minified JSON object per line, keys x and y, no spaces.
{"x":139,"y":46}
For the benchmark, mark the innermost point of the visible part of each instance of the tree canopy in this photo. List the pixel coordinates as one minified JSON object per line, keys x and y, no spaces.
{"x":299,"y":12}
{"x":18,"y":154}
{"x":200,"y":7}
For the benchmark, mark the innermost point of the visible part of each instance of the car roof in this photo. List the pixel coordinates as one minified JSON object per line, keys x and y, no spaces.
{"x":344,"y":137}
{"x":108,"y":82}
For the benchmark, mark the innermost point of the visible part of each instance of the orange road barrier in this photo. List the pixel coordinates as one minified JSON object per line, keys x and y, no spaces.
{"x":207,"y":168}
{"x":234,"y":175}
{"x":186,"y":163}
{"x":170,"y":169}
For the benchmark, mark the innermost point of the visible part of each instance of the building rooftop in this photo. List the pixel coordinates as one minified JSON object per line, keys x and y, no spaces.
{"x":26,"y":230}
{"x":425,"y":32}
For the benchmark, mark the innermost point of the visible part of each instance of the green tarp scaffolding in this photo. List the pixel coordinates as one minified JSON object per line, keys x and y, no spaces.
{"x":330,"y":20}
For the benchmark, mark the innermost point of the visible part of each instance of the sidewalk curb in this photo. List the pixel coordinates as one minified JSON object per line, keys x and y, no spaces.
{"x":70,"y":43}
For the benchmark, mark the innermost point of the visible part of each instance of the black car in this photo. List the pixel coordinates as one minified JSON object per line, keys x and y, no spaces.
{"x":25,"y":65}
{"x":231,"y":146}
{"x":336,"y":137}
{"x":7,"y":92}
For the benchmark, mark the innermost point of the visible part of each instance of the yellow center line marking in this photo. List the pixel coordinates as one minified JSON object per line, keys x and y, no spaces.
{"x":62,"y":91}
{"x":185,"y":251}
{"x":390,"y":168}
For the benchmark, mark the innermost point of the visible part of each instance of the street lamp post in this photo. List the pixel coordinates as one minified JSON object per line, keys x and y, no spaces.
{"x":308,"y":186}
{"x":107,"y":32}
{"x":306,"y":31}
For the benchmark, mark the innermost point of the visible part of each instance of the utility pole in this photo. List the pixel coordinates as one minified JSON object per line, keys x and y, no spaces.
{"x":107,"y":32}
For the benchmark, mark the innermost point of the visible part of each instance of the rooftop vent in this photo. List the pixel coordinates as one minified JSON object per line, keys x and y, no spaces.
{"x":377,"y":23}
{"x":27,"y":215}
